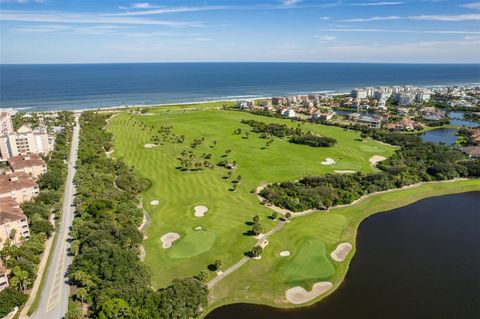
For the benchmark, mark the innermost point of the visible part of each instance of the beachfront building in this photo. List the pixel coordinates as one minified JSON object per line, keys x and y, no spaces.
{"x":13,"y":222}
{"x":323,"y":116}
{"x":382,"y":95}
{"x":404,"y":98}
{"x":288,"y":113}
{"x":19,"y":186}
{"x":24,"y":141}
{"x":244,"y":104}
{"x":30,"y":164}
{"x":359,"y":93}
{"x":6,"y":125}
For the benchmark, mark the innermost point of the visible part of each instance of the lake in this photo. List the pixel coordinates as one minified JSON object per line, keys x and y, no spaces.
{"x":440,"y":135}
{"x":456,"y":118}
{"x":418,"y":261}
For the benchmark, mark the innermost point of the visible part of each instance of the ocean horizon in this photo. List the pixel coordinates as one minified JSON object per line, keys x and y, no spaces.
{"x":49,"y":87}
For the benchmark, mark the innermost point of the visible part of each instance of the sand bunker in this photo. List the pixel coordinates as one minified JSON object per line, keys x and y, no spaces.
{"x":149,"y":145}
{"x":200,"y":211}
{"x":168,"y":239}
{"x":341,"y":252}
{"x":264,"y":244}
{"x":285,"y":253}
{"x":198,"y":228}
{"x":375,"y":159}
{"x":154,"y":202}
{"x":344,"y":171}
{"x":298,"y":295}
{"x":328,"y":161}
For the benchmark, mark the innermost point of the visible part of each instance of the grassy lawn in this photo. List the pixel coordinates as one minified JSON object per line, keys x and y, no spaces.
{"x":310,"y":263}
{"x":262,"y":281}
{"x":178,"y":192}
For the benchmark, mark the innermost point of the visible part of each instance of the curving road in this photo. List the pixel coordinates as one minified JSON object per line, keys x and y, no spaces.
{"x":53,"y":302}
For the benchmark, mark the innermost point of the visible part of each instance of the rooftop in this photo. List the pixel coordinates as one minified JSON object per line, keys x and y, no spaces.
{"x":15,"y":181}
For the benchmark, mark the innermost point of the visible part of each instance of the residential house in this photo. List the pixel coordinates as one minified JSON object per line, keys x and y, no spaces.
{"x":13,"y":222}
{"x":279,"y":100}
{"x":370,"y":121}
{"x":19,"y":186}
{"x":288,"y":113}
{"x":31,"y":164}
{"x":244,"y":104}
{"x":471,"y":151}
{"x":324,"y":116}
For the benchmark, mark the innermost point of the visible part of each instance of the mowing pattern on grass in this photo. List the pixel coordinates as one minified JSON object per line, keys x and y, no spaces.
{"x":193,"y":244}
{"x":310,"y":263}
{"x":211,"y":132}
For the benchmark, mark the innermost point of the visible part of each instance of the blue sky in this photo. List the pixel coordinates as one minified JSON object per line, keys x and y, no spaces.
{"x":89,"y":31}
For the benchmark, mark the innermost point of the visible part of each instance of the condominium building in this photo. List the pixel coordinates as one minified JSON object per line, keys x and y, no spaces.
{"x":6,"y":125}
{"x":32,"y":164}
{"x":13,"y":222}
{"x":24,"y":141}
{"x":19,"y":186}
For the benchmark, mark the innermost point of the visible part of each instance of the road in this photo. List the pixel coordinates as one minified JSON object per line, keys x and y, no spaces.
{"x":53,"y":302}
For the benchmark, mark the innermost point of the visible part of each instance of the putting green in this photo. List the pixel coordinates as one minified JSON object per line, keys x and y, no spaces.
{"x":193,"y":244}
{"x":309,"y":263}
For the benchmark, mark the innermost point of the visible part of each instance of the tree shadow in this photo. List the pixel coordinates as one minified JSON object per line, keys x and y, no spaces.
{"x":212,"y":267}
{"x":249,"y":223}
{"x":249,"y":233}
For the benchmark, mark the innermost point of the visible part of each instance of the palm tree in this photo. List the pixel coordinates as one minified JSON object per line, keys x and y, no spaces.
{"x":81,"y":294}
{"x":20,"y":279}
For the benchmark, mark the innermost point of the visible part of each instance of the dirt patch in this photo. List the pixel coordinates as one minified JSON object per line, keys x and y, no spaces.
{"x":168,"y":239}
{"x":298,"y":295}
{"x":341,"y":252}
{"x":328,"y":161}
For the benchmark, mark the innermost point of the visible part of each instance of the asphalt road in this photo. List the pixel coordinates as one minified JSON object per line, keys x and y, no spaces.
{"x":53,"y":302}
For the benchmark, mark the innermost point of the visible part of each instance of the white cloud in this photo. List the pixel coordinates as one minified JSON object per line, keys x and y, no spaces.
{"x":403,"y":31}
{"x":461,"y":17}
{"x":289,"y":3}
{"x":381,"y":3}
{"x":22,"y":1}
{"x":142,"y":5}
{"x":64,"y":17}
{"x":472,"y":5}
{"x":166,"y":10}
{"x":373,"y":19}
{"x":325,"y":38}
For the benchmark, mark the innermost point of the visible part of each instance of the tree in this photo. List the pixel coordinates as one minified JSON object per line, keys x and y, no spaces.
{"x":74,"y":311}
{"x":20,"y":279}
{"x":202,"y":276}
{"x":239,"y":178}
{"x":256,"y":251}
{"x":218,"y":264}
{"x":256,"y":219}
{"x":81,"y":294}
{"x":257,"y":229}
{"x":115,"y":308}
{"x":13,"y":235}
{"x":9,"y":299}
{"x":274,"y":215}
{"x":288,"y":215}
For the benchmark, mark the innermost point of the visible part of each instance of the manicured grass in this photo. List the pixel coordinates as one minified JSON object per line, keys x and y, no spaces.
{"x":178,"y":192}
{"x":310,"y":263}
{"x":193,"y":244}
{"x":338,"y":225}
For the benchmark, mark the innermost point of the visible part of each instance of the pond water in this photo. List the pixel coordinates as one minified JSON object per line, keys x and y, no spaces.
{"x":418,"y":261}
{"x":440,"y":135}
{"x":456,"y":118}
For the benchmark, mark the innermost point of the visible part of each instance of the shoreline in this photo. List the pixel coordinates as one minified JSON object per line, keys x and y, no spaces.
{"x":445,"y":188}
{"x":228,"y":98}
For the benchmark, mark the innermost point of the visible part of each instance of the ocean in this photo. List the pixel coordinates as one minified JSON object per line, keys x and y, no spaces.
{"x":85,"y":86}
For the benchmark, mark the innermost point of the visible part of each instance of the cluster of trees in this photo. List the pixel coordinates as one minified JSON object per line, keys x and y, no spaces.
{"x":296,"y":135}
{"x":23,"y":258}
{"x":106,"y":269}
{"x":415,"y":161}
{"x":189,"y":161}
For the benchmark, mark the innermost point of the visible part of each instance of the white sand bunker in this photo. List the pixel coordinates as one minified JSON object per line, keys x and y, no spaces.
{"x":285,"y":253}
{"x":375,"y":159}
{"x":298,"y":295}
{"x":264,"y":244}
{"x":198,"y":228}
{"x":344,"y":171}
{"x":200,"y":211}
{"x":341,"y":252}
{"x":154,"y":202}
{"x":168,"y":239}
{"x":149,"y":145}
{"x":328,"y":161}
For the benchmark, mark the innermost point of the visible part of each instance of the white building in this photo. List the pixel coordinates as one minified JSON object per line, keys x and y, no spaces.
{"x":422,"y":96}
{"x":404,"y":98}
{"x":6,"y":125}
{"x":289,"y":113}
{"x":359,"y":93}
{"x":244,"y":104}
{"x":382,"y":95}
{"x":25,"y":141}
{"x":381,"y":105}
